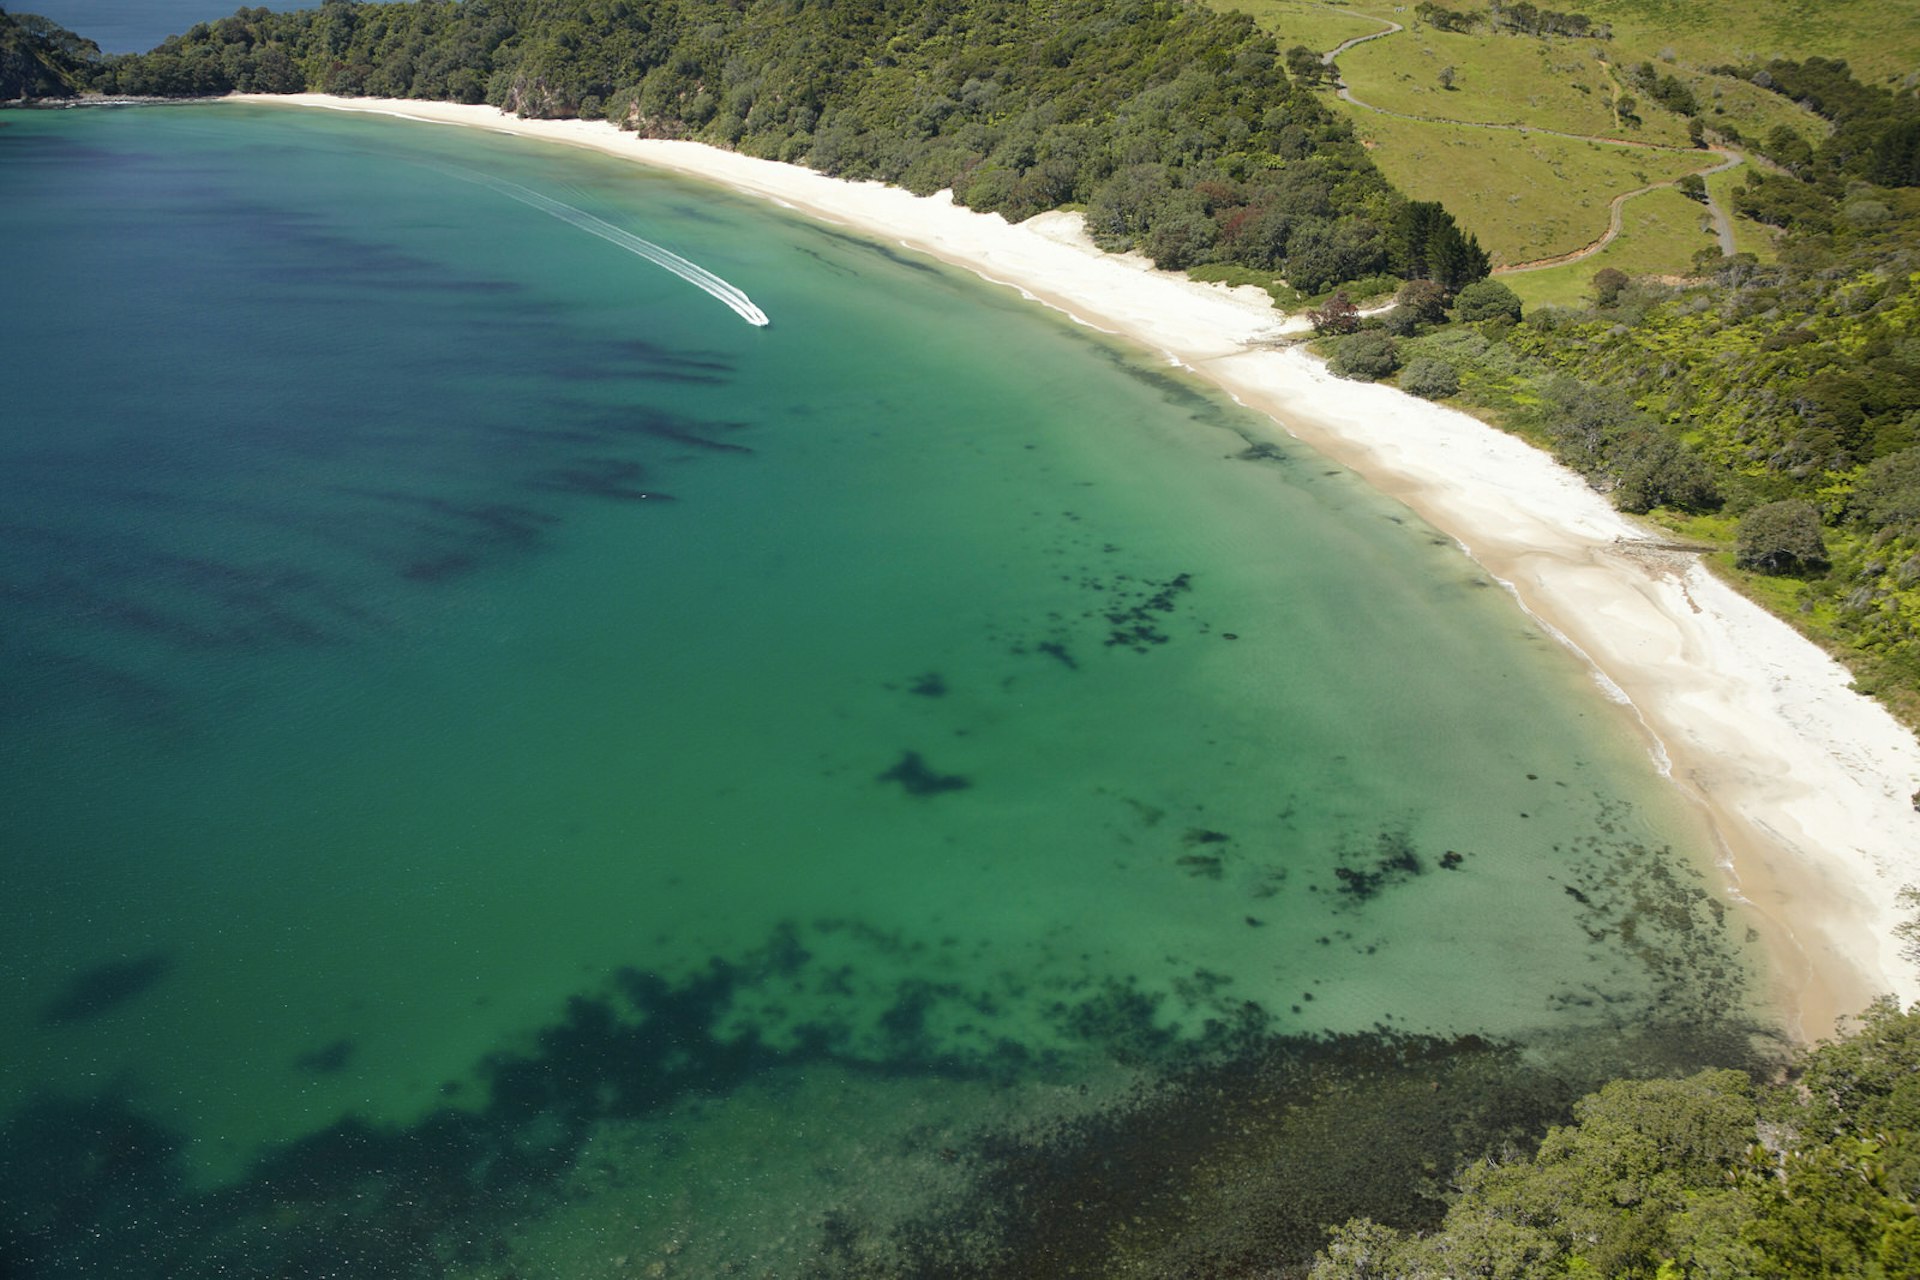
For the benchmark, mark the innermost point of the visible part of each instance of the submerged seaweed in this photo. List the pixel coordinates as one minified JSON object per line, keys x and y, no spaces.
{"x":914,"y":774}
{"x":1235,"y":1145}
{"x":105,"y":987}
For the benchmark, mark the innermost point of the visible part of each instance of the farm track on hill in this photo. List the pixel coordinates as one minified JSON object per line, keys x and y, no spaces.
{"x":1722,"y":224}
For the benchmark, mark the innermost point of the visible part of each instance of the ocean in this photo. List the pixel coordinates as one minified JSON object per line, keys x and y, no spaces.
{"x":514,"y":768}
{"x":135,"y":26}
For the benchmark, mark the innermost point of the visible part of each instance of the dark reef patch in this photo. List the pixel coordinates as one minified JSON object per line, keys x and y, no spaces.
{"x":243,"y":531}
{"x":621,"y":479}
{"x":1058,"y":652}
{"x":104,"y":988}
{"x":1233,"y":1164}
{"x":328,"y":1059}
{"x":1234,"y":1148}
{"x":1204,"y":865}
{"x":1132,"y":617}
{"x":439,"y":568}
{"x":679,"y":431}
{"x":1392,"y":861}
{"x":914,"y":774}
{"x":895,"y":256}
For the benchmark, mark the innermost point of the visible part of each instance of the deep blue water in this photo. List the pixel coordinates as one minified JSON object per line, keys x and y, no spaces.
{"x":134,"y":26}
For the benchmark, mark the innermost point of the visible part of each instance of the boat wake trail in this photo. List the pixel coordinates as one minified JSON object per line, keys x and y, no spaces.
{"x":693,"y":273}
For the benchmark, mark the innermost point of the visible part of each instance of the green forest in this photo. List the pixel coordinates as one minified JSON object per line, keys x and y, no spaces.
{"x":1175,"y":127}
{"x":1710,"y":1178}
{"x":1765,"y":411}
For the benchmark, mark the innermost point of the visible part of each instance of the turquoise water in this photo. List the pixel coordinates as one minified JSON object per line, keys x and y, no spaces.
{"x":479,"y":716}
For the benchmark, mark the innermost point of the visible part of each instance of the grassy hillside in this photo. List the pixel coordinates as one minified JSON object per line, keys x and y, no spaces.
{"x":1645,"y":73}
{"x":1761,"y":394}
{"x":1560,"y":84}
{"x":1525,"y":195}
{"x":1311,"y":23}
{"x":1880,"y":39}
{"x":1657,"y":229}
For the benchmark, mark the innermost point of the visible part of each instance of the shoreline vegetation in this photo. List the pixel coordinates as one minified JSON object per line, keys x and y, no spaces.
{"x":1804,"y":782}
{"x":1692,"y":461}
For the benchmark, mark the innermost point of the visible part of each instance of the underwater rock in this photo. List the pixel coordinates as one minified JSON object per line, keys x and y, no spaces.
{"x":1396,"y":862}
{"x":913,"y":773}
{"x":105,"y":987}
{"x":1201,"y":864}
{"x":327,"y":1059}
{"x":1058,"y":652}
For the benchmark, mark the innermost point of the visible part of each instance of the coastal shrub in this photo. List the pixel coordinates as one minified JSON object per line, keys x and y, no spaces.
{"x":1426,"y":299}
{"x":1375,"y":288}
{"x":1607,"y":284}
{"x":1706,"y":1177}
{"x":1486,"y":300}
{"x":1365,"y":357}
{"x":1888,"y":493}
{"x":1401,"y":322}
{"x":1656,"y":470}
{"x":1322,"y":252}
{"x":1337,"y":315}
{"x":1430,"y":379}
{"x":1782,"y":537}
{"x":1583,"y":422}
{"x":1180,"y":240}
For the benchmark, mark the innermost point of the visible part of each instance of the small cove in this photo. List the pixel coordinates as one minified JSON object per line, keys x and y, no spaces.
{"x":476,"y":702}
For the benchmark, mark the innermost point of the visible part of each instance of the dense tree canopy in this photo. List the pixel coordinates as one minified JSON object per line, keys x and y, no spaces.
{"x":1706,"y":1177}
{"x":1876,"y":132}
{"x":1178,"y":128}
{"x":39,"y":59}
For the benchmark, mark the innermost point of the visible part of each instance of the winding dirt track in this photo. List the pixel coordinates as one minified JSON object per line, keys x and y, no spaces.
{"x":1722,"y":225}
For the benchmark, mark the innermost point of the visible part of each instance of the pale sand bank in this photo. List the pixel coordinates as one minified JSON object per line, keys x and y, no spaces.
{"x":1806,"y":784}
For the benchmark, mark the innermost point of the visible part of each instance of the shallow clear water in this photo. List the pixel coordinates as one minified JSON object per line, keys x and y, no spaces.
{"x":478,"y":714}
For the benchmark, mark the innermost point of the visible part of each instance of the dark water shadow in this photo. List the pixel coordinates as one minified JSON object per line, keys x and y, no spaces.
{"x":1238,"y":1145}
{"x":104,"y":988}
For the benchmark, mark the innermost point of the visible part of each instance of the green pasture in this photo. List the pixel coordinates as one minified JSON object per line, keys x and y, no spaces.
{"x":1547,"y":84}
{"x":1880,"y":39}
{"x":1659,"y":234}
{"x":1295,"y":22}
{"x":1755,"y":112}
{"x":1525,"y":195}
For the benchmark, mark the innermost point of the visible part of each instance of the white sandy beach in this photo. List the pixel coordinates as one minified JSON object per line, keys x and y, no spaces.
{"x":1805,"y":783}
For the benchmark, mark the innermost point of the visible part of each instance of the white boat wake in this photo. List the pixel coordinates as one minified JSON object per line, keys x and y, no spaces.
{"x":693,"y":273}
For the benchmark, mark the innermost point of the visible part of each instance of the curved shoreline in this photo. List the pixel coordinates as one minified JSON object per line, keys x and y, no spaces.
{"x":1804,"y":783}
